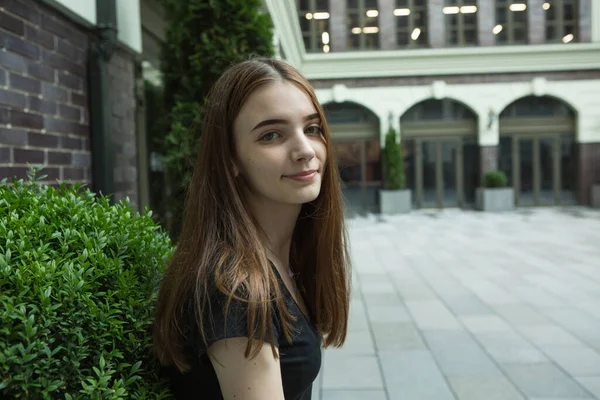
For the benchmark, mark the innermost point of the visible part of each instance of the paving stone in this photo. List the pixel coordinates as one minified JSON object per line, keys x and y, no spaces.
{"x":549,"y":335}
{"x":485,"y":323}
{"x":395,"y":336}
{"x":414,"y":290}
{"x":576,"y":360}
{"x":354,"y":395}
{"x":544,"y":380}
{"x":383,"y":299}
{"x":413,"y":375}
{"x":459,"y":355}
{"x":357,"y":343}
{"x":498,"y":388}
{"x":510,"y":348}
{"x":520,"y":314}
{"x":432,"y":315}
{"x":591,"y":383}
{"x":351,"y":372}
{"x":391,"y":313}
{"x":466,"y":305}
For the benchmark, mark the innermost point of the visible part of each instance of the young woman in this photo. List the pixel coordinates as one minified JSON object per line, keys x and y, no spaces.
{"x":261,"y":275}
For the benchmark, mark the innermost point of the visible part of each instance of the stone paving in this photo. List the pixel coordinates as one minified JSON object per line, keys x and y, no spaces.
{"x":472,"y":306}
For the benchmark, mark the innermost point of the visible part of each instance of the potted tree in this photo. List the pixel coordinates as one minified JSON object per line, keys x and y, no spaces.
{"x":394,"y":198}
{"x":495,"y":195}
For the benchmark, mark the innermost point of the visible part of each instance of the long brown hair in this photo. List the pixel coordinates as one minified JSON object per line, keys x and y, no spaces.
{"x":222,"y":246}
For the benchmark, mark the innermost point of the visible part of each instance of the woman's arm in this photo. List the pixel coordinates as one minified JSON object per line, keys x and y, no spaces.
{"x":240,"y":378}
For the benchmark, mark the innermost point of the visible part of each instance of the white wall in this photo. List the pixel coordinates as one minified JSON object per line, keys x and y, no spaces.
{"x":129,"y":24}
{"x":84,"y":9}
{"x":582,"y":95}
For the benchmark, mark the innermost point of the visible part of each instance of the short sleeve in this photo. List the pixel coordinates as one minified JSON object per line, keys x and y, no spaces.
{"x":220,"y":322}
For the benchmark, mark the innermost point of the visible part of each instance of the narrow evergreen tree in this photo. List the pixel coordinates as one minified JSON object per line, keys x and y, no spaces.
{"x":203,"y":37}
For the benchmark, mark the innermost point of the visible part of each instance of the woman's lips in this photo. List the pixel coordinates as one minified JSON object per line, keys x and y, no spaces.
{"x":303,"y":176}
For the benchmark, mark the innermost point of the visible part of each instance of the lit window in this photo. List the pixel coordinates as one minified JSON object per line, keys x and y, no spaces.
{"x":561,"y":20}
{"x":314,"y":23}
{"x":411,"y":23}
{"x":511,"y":22}
{"x":363,"y":24}
{"x":461,"y":22}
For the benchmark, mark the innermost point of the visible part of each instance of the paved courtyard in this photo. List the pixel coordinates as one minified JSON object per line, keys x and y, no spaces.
{"x":471,"y":306}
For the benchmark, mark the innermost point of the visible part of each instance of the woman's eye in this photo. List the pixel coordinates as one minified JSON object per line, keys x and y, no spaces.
{"x":269,"y":137}
{"x":313,"y":129}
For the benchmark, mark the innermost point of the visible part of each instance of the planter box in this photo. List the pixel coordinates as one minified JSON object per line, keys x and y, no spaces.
{"x":495,"y":199}
{"x":595,"y":196}
{"x":395,"y":201}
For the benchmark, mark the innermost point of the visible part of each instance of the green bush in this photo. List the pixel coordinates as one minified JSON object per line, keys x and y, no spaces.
{"x":203,"y":38}
{"x":495,"y":179}
{"x":393,"y":163}
{"x":78,"y":282}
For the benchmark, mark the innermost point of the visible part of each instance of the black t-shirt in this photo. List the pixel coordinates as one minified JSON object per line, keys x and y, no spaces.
{"x":300,"y":360}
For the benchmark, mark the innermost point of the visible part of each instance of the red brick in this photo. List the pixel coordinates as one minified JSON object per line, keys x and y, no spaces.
{"x":51,"y":92}
{"x":42,"y":106}
{"x":52,"y":25}
{"x":42,"y":38}
{"x":11,"y":23}
{"x":12,"y":61}
{"x":59,"y":158}
{"x":68,"y":50}
{"x":68,"y":112}
{"x":13,"y":136}
{"x":82,"y":159}
{"x":4,"y":115}
{"x":13,"y":172}
{"x":25,"y":11}
{"x":45,"y":140}
{"x":71,"y":143}
{"x":22,"y":156}
{"x":5,"y":155}
{"x":26,"y":120}
{"x":70,"y":81}
{"x":12,"y":99}
{"x":76,"y":174}
{"x":41,"y":71}
{"x":60,"y":62}
{"x":25,"y":84}
{"x":57,"y":125}
{"x":19,"y":46}
{"x":79,"y":99}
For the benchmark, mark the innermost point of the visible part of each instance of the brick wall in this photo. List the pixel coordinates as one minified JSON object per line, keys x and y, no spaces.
{"x":43,"y":93}
{"x":488,"y":158}
{"x":122,"y":91}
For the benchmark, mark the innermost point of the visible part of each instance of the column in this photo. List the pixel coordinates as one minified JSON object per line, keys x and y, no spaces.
{"x":337,"y":25}
{"x":585,"y":21}
{"x":486,"y":20}
{"x":387,"y":25}
{"x":436,"y":23}
{"x":536,"y":22}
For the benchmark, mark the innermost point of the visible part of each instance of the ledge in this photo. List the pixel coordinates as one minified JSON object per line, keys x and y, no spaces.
{"x":453,"y":61}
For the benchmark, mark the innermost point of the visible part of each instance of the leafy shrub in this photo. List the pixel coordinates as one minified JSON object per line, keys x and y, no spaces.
{"x":78,"y":282}
{"x":495,"y":179}
{"x":393,"y":163}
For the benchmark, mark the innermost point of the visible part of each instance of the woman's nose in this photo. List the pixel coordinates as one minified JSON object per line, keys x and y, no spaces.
{"x":303,"y":149}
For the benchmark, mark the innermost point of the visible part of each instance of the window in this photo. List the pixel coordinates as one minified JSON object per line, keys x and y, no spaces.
{"x":314,"y":23}
{"x":511,"y":22}
{"x":363,"y":24}
{"x":561,"y":20}
{"x":461,"y":22}
{"x":411,"y":23}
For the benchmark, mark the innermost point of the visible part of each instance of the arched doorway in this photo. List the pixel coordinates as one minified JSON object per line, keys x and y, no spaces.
{"x":355,"y":133}
{"x":537,"y":151}
{"x":439,"y":142}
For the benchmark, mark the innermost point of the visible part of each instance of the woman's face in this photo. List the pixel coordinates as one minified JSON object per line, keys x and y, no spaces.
{"x":280,"y":151}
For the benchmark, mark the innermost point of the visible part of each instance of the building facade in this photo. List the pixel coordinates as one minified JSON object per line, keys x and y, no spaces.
{"x":470,"y":85}
{"x":71,"y":91}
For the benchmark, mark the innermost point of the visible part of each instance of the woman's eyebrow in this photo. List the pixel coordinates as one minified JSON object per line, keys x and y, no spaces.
{"x":277,"y":121}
